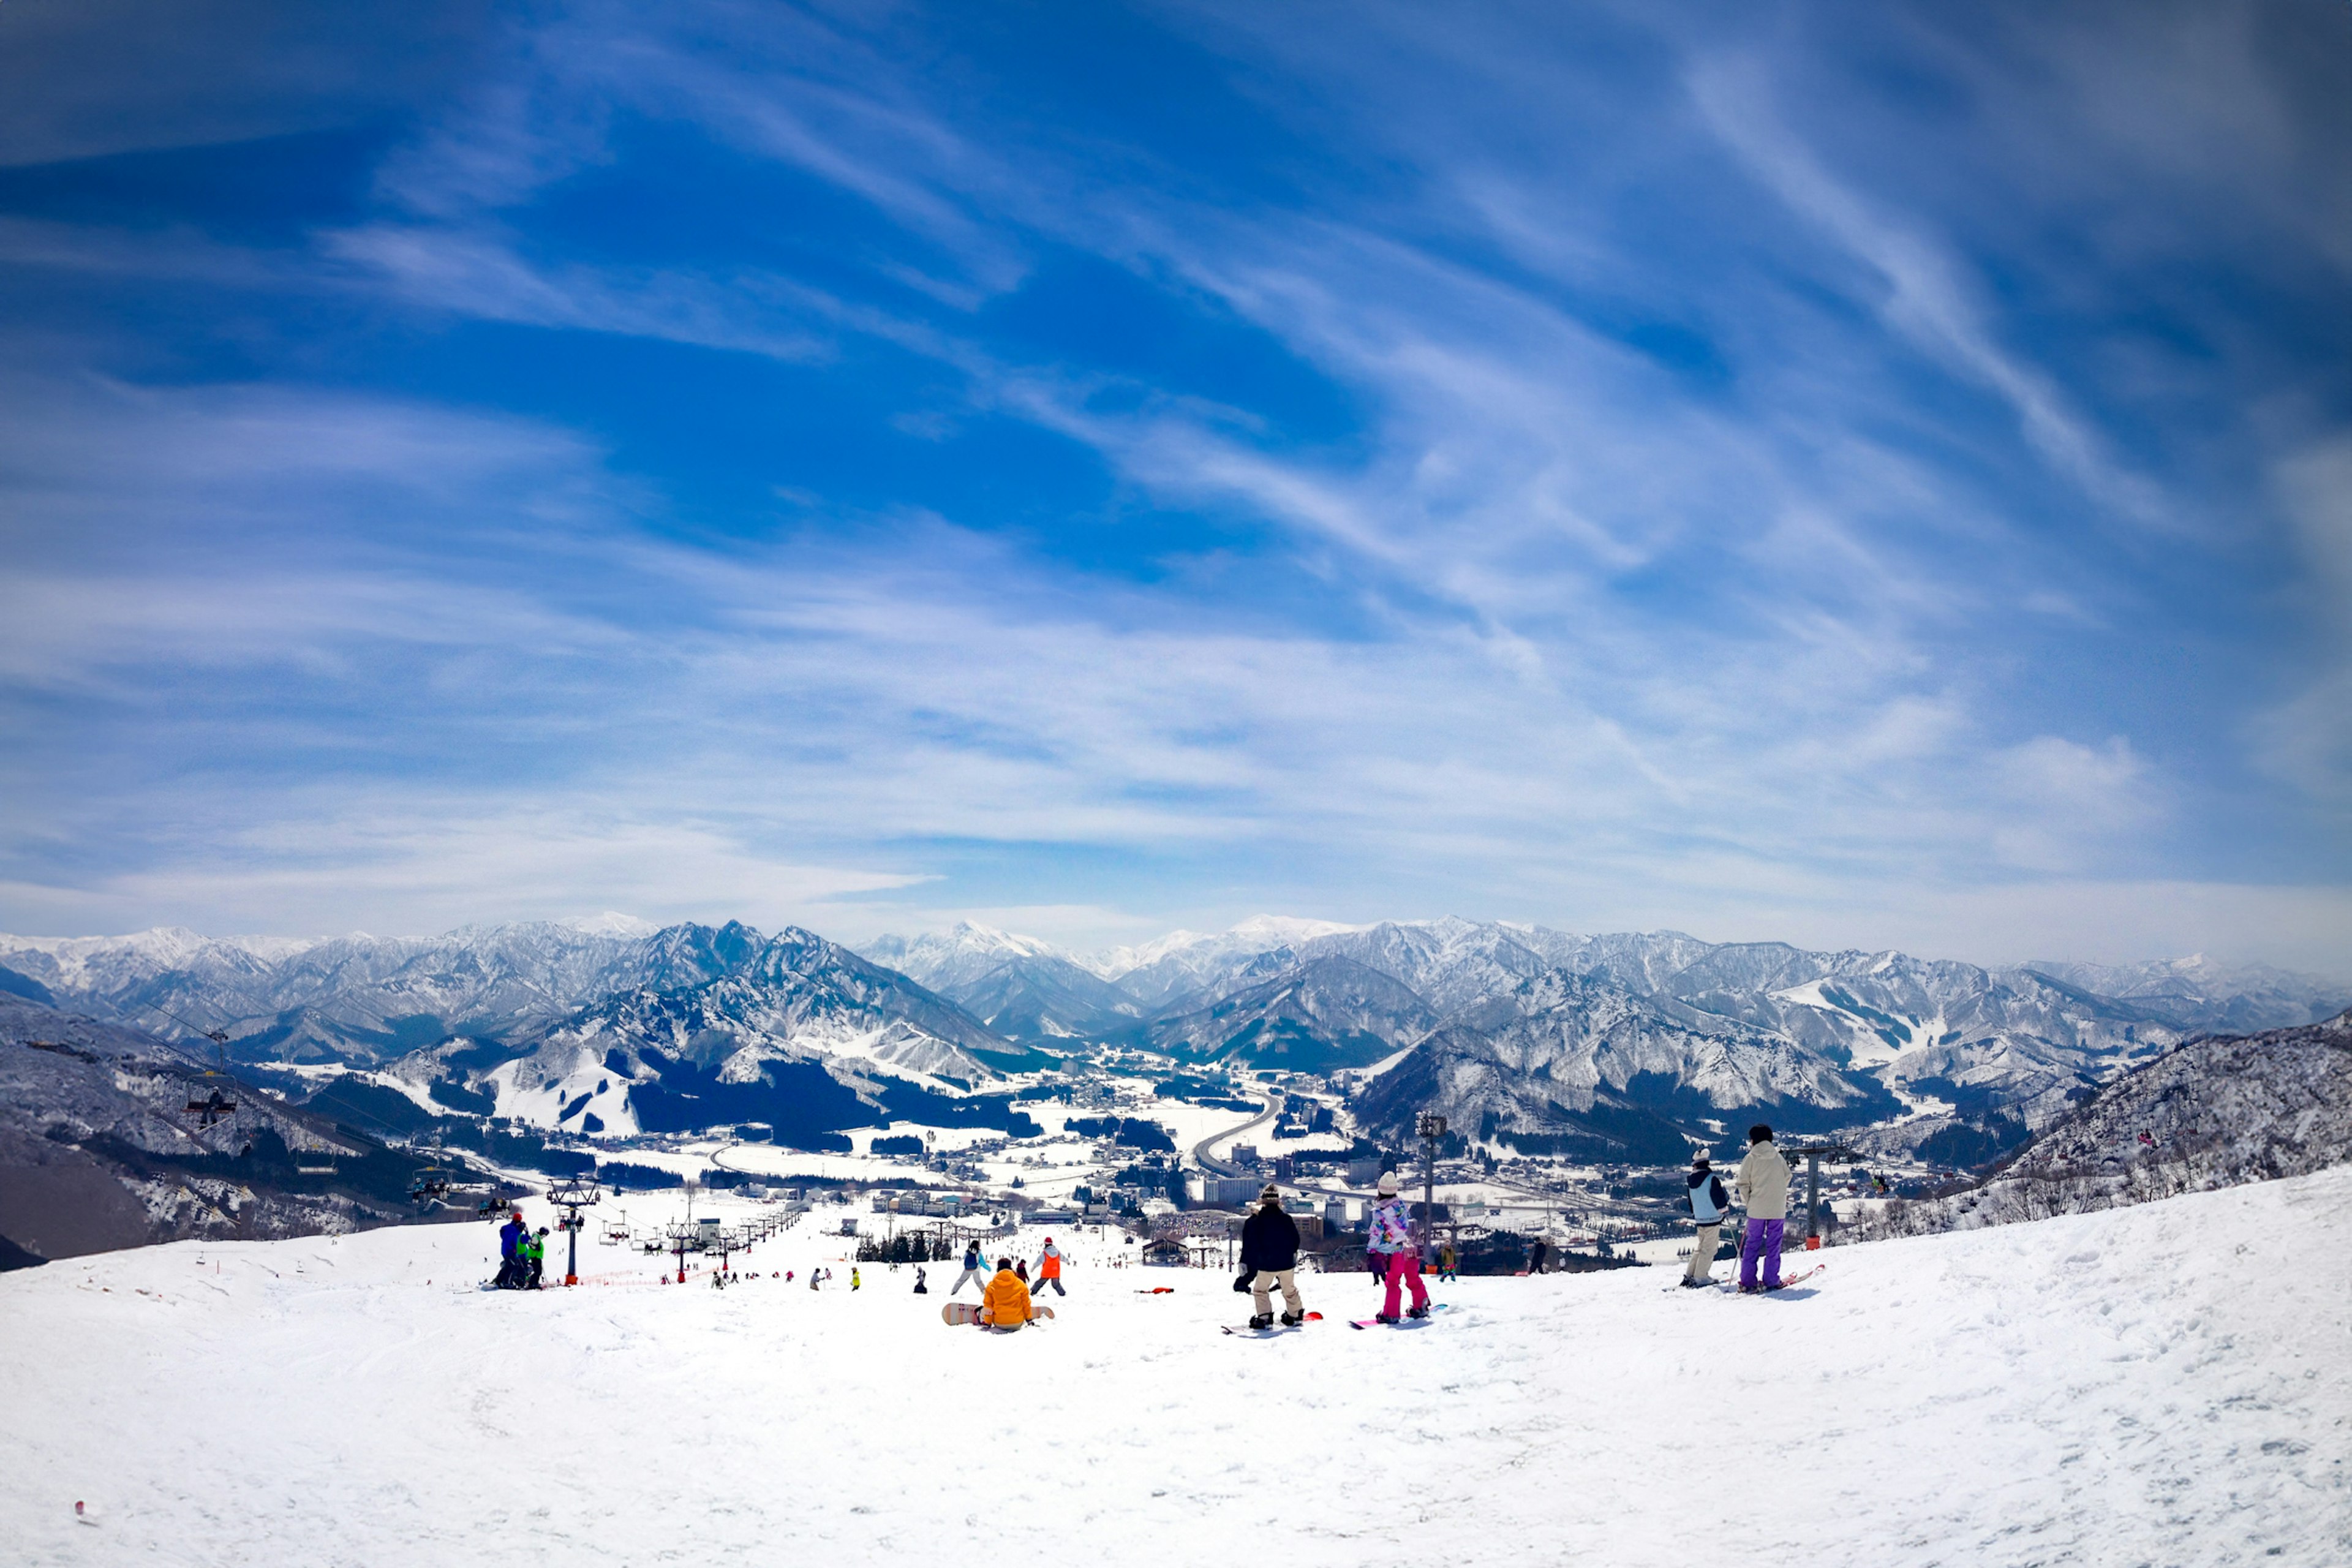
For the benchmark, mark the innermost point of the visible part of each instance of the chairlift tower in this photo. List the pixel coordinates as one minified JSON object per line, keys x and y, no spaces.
{"x":572,"y":1196}
{"x":1431,"y":1127}
{"x":1814,"y":1153}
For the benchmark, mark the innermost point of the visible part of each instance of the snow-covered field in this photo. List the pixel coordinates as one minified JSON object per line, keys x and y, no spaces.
{"x":2167,"y":1385}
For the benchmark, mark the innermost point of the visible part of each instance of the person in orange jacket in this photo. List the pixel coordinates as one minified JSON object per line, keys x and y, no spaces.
{"x":1049,"y":1268}
{"x":1005,"y":1303}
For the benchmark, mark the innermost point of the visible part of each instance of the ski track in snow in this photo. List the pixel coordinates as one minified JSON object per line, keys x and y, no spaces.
{"x":2166,"y":1384}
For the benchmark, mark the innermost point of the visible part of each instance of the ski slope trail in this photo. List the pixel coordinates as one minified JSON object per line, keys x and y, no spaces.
{"x":2165,"y":1384}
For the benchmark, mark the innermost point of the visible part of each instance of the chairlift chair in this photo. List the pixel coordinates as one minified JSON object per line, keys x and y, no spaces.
{"x":216,"y":1108}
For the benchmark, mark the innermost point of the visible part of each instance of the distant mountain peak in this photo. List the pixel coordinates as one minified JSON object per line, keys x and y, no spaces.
{"x":612,"y":923}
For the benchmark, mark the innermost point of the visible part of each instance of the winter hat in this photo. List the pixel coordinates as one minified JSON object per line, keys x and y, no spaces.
{"x":1388,"y":1183}
{"x":1700,"y":1160}
{"x":1273,"y":1194}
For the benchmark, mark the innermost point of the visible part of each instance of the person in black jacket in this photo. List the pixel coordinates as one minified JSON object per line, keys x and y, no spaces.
{"x":1270,"y":1246}
{"x":1708,"y":1203}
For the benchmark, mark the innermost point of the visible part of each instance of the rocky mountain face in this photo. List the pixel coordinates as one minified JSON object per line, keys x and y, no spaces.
{"x":2215,"y":1112}
{"x":1307,"y":1017}
{"x":1018,"y":986}
{"x":1521,"y":1035}
{"x":110,"y":1137}
{"x":354,"y":998}
{"x":791,"y":1030}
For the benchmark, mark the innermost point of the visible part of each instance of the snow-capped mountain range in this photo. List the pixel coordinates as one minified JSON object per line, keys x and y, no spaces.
{"x":1518,"y":1033}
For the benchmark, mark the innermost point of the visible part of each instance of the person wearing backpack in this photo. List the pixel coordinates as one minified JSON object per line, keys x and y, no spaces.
{"x":1708,"y":1203}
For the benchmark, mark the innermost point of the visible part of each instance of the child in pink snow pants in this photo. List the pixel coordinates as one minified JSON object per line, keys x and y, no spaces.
{"x":1391,"y":1240}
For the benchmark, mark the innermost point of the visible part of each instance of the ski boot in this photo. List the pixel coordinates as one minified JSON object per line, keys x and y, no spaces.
{"x":1419,"y":1311}
{"x":1261,"y":1320}
{"x":1382,"y":1317}
{"x":1292,"y":1319}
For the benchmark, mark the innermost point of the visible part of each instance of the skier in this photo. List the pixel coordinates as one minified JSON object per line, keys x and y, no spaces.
{"x":1390,"y":1224}
{"x":1537,"y":1252}
{"x":1445,"y":1261}
{"x":511,"y":1237}
{"x":853,"y":1277}
{"x":1270,"y":1246}
{"x":1763,"y":1184}
{"x":1021,"y":1268}
{"x":972,"y":1270}
{"x":920,"y":1288}
{"x":534,"y":1257}
{"x":1049,"y":1268}
{"x":1004,"y":1305}
{"x":1708,"y":1202}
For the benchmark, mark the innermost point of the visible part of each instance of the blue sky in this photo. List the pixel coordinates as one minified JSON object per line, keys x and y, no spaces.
{"x":1861,"y":475}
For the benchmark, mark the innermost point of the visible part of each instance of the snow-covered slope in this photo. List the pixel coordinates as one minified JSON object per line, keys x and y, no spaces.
{"x":2164,"y":1384}
{"x":2214,"y":1113}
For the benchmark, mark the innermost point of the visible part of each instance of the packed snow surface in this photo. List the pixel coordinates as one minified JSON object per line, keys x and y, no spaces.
{"x":2166,"y":1384}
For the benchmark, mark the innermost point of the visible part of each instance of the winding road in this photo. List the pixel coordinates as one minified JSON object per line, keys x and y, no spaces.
{"x":1218,"y":1167}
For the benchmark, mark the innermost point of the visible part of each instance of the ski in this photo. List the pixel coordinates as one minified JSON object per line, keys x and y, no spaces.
{"x":1794,"y":1279}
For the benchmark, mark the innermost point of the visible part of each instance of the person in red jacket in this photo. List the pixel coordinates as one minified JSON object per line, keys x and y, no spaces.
{"x":1049,"y":1269}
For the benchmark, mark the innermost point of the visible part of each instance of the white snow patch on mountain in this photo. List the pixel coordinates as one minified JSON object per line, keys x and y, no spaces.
{"x":2156,"y":1385}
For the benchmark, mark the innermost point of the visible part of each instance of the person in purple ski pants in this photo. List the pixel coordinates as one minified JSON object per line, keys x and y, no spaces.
{"x":1763,"y":1187}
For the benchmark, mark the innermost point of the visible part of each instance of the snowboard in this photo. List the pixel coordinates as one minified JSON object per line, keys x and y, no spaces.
{"x":1434,"y":1308}
{"x":1272,"y":1328}
{"x":957,"y":1314}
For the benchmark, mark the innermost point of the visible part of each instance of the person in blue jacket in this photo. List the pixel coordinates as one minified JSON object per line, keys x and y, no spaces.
{"x":1708,"y":1204}
{"x":510,"y":1264}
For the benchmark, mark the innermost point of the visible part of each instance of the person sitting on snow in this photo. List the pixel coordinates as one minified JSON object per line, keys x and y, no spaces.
{"x":1763,"y":1184}
{"x":1270,"y":1246}
{"x":1004,"y":1305}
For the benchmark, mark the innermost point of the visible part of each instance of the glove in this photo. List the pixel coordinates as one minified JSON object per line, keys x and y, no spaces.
{"x":1242,"y":1283}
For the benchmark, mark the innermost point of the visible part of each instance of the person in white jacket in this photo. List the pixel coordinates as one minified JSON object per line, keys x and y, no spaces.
{"x":1708,"y":1202}
{"x":1763,"y":1187}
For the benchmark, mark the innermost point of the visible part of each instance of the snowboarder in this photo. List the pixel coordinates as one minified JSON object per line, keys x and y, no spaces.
{"x":511,"y":1237}
{"x":1049,"y":1268}
{"x":1270,"y":1246}
{"x":1537,"y":1254}
{"x":1004,"y":1305}
{"x":853,"y":1277}
{"x":1763,"y":1184}
{"x":972,"y":1270}
{"x":1390,"y":1224}
{"x":1708,"y":1202}
{"x":1445,"y":1261}
{"x":1021,"y":1268}
{"x":920,"y":1288}
{"x":534,"y":1257}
